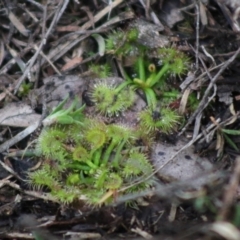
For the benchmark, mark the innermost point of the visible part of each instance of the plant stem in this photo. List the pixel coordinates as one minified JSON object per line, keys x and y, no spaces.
{"x":117,"y":154}
{"x":140,"y":83}
{"x":107,"y":153}
{"x":79,"y":166}
{"x":127,"y":77}
{"x":141,"y":69}
{"x":122,"y":85}
{"x":152,"y":81}
{"x":150,"y":78}
{"x":91,"y":164}
{"x":151,"y":97}
{"x":85,"y":180}
{"x":170,"y":94}
{"x":96,"y":156}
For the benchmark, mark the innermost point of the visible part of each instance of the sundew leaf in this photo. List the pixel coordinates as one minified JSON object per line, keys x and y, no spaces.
{"x":231,"y":131}
{"x":236,"y":219}
{"x":59,"y":106}
{"x":101,"y":43}
{"x":64,"y":120}
{"x":65,"y":116}
{"x":230,"y":142}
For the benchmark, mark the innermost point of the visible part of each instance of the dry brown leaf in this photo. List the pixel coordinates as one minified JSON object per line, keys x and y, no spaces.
{"x":89,"y":14}
{"x":18,"y":60}
{"x":68,"y":28}
{"x":57,"y":88}
{"x":170,"y":13}
{"x":17,"y":24}
{"x":2,"y":52}
{"x":142,"y":233}
{"x":203,"y":14}
{"x":72,"y":63}
{"x":231,"y":3}
{"x":225,"y":229}
{"x":220,"y":142}
{"x":184,"y":101}
{"x":18,"y":115}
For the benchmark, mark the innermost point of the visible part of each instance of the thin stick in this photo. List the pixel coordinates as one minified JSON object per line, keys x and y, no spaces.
{"x":63,"y":48}
{"x":230,"y":192}
{"x":211,"y":84}
{"x":19,"y":137}
{"x":197,"y":36}
{"x":35,"y":56}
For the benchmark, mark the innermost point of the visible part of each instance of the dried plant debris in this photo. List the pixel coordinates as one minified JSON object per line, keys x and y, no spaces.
{"x":149,"y":35}
{"x":18,"y":115}
{"x":55,"y":89}
{"x":232,"y":16}
{"x":170,"y":13}
{"x":234,"y":4}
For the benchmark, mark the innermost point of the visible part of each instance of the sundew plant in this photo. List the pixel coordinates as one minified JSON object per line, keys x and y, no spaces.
{"x":93,"y":161}
{"x":145,"y":76}
{"x":88,"y":160}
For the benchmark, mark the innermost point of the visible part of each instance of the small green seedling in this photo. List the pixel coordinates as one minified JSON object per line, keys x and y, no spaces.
{"x":24,"y":89}
{"x":65,"y":116}
{"x":173,"y":62}
{"x":227,"y":132}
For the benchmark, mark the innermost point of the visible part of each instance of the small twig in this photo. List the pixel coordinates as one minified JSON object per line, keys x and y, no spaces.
{"x":199,"y":116}
{"x":173,"y":191}
{"x":208,"y":55}
{"x":37,"y":4}
{"x":62,"y":9}
{"x":189,"y":7}
{"x":37,"y":74}
{"x":229,"y":54}
{"x":6,"y":145}
{"x":149,"y":11}
{"x":35,"y":194}
{"x":60,"y":50}
{"x":48,"y":60}
{"x":44,"y":20}
{"x":197,"y":35}
{"x":207,"y":91}
{"x":35,"y":56}
{"x":194,"y":79}
{"x":230,"y":193}
{"x":10,"y":170}
{"x":81,"y":32}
